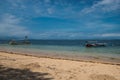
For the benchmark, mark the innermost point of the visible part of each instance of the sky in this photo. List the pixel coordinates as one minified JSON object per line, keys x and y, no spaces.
{"x":60,"y":19}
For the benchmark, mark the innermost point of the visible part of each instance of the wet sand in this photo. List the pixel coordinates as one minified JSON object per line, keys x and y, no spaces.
{"x":24,"y":67}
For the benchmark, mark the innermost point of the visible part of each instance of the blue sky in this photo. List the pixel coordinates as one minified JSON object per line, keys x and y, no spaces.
{"x":60,"y":19}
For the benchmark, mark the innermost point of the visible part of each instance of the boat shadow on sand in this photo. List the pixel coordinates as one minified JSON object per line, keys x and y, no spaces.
{"x":7,"y":73}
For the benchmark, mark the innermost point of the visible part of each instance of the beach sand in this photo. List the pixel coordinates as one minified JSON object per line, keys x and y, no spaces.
{"x":23,"y":67}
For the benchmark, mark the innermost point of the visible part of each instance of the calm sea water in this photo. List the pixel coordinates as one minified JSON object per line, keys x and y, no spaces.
{"x":66,"y":48}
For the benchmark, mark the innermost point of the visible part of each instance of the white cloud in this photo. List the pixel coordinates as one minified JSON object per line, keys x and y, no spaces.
{"x":9,"y":26}
{"x":98,"y":24}
{"x":111,"y":35}
{"x":103,"y":6}
{"x":58,"y":34}
{"x":106,"y":35}
{"x":47,"y":1}
{"x":68,"y":34}
{"x":59,"y":9}
{"x":19,"y":4}
{"x":50,"y":10}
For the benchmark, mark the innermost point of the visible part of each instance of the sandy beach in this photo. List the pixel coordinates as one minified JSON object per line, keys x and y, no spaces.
{"x":23,"y":67}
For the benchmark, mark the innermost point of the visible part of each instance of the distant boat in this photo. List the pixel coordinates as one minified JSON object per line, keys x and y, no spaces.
{"x":95,"y":44}
{"x":26,"y":41}
{"x":13,"y":42}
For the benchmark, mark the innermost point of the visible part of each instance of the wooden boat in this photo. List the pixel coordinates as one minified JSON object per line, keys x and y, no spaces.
{"x":26,"y":41}
{"x":95,"y":44}
{"x":13,"y":42}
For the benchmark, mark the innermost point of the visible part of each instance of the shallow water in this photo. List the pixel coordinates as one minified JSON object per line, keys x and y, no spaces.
{"x":74,"y":49}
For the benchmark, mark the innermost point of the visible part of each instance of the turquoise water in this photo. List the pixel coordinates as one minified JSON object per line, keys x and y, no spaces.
{"x":75,"y":50}
{"x":61,"y":50}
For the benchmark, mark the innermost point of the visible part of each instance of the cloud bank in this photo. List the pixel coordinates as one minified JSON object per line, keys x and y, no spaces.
{"x":9,"y":26}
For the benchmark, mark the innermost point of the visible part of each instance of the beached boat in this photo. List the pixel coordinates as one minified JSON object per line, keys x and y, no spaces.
{"x":95,"y":44}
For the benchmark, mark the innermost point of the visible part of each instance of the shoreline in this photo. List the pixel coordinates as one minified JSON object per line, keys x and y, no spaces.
{"x":93,"y":59}
{"x":106,"y":58}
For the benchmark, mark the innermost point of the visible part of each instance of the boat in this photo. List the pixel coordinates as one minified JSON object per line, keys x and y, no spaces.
{"x":26,"y":41}
{"x":13,"y":42}
{"x":95,"y":44}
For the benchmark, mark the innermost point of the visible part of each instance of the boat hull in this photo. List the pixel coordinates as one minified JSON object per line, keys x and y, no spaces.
{"x":95,"y":45}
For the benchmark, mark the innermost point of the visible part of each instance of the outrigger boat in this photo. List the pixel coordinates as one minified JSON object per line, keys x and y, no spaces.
{"x":25,"y":41}
{"x":95,"y":44}
{"x":13,"y":42}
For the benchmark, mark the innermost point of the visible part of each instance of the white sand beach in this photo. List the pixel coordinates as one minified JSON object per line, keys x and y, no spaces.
{"x":15,"y":66}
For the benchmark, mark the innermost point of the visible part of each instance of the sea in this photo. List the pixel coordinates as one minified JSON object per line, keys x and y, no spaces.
{"x":67,"y":49}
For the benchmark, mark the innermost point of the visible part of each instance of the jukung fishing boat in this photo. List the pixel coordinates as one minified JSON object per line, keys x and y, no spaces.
{"x":25,"y":41}
{"x":13,"y":42}
{"x":95,"y":44}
